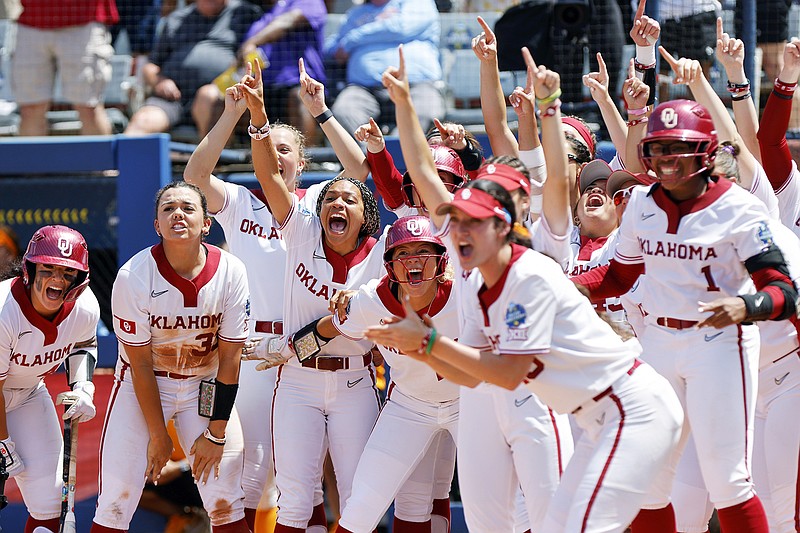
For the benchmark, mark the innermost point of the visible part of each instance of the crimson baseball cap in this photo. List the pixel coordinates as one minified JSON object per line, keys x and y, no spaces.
{"x":475,"y":203}
{"x":592,"y":171}
{"x":506,"y":176}
{"x":619,"y":178}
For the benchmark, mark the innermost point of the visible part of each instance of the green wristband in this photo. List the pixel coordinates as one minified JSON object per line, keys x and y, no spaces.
{"x":431,"y":340}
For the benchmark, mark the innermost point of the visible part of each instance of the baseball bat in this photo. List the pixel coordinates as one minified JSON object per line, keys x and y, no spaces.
{"x":70,"y":463}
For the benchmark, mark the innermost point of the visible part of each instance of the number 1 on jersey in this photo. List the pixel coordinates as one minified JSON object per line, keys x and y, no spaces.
{"x":712,"y":285}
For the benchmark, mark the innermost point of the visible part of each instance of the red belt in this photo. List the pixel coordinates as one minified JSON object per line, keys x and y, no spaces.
{"x":675,"y":323}
{"x":333,"y":364}
{"x":173,"y":375}
{"x":631,"y":370}
{"x":272,"y":328}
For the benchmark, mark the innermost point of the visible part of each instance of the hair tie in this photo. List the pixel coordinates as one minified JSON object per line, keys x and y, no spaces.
{"x":731,"y":149}
{"x":521,"y":230}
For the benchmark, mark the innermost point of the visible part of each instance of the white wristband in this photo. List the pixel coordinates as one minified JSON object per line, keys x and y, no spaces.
{"x":207,"y":434}
{"x":532,"y":158}
{"x":646,"y":55}
{"x":258,"y":134}
{"x":536,"y":204}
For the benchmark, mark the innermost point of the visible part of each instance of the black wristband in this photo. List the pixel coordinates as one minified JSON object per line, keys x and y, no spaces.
{"x":224,"y":398}
{"x":758,"y":306}
{"x":321,"y":119}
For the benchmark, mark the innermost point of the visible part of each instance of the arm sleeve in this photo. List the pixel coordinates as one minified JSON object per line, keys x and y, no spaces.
{"x":775,"y":154}
{"x":388,"y":180}
{"x":776,"y":298}
{"x":471,"y":156}
{"x":607,"y":281}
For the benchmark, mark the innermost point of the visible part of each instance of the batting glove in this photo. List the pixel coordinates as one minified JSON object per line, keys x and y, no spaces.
{"x":11,"y":458}
{"x":267,"y":350}
{"x":82,"y":399}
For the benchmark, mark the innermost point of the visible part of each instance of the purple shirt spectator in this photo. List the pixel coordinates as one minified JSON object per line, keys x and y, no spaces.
{"x":306,"y":42}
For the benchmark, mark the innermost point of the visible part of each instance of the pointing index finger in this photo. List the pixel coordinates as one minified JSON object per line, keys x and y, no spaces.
{"x":719,"y":28}
{"x":301,"y":64}
{"x":529,"y":62}
{"x":440,"y":127}
{"x":640,"y":9}
{"x":601,"y":64}
{"x":401,"y":71}
{"x":487,"y":30}
{"x":666,"y":55}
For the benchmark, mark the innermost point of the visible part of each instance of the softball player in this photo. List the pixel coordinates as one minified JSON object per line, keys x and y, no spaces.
{"x":700,"y":242}
{"x":180,"y":314}
{"x":327,"y":393}
{"x":527,"y":323}
{"x":47,"y":315}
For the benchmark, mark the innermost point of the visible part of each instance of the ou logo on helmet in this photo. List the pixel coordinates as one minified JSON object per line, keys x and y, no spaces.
{"x":669,"y":118}
{"x":65,"y":247}
{"x":414,"y":227}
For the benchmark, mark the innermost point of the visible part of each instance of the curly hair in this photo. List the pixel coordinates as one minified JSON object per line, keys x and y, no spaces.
{"x":372,"y":217}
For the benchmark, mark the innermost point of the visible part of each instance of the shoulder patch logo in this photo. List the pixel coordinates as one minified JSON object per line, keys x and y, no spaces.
{"x":764,"y":235}
{"x":515,"y":315}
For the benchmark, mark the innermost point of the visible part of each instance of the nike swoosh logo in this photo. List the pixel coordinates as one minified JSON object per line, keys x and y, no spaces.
{"x":154,"y":294}
{"x":645,"y":217}
{"x":600,"y":421}
{"x":778,"y":381}
{"x":710,"y":338}
{"x":351,"y":384}
{"x":520,"y":403}
{"x":258,"y":208}
{"x":23,"y":334}
{"x":759,"y":300}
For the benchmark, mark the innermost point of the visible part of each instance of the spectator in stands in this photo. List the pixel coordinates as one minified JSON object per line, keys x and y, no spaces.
{"x":139,"y":19}
{"x":367,"y":41}
{"x":291,"y":30}
{"x":195,"y":45}
{"x":73,"y":37}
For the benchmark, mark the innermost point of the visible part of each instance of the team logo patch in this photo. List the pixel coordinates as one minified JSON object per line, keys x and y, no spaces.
{"x":414,"y":227}
{"x":491,"y":169}
{"x":65,"y":247}
{"x":669,"y":117}
{"x":517,"y":334}
{"x":764,"y":235}
{"x":465,"y":193}
{"x":515,"y":315}
{"x":128,"y":326}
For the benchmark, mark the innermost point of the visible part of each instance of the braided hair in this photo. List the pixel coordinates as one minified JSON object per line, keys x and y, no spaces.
{"x":372,"y":217}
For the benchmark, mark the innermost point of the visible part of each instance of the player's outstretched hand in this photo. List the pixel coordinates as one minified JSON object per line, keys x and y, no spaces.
{"x":791,"y":62}
{"x":523,"y":98}
{"x":13,"y":462}
{"x":396,"y":81}
{"x":371,"y":134}
{"x":635,"y":91}
{"x":730,"y":51}
{"x":724,"y":312}
{"x":686,"y":71}
{"x":340,"y":303}
{"x":205,"y":457}
{"x":485,"y":43}
{"x":81,"y":402}
{"x":545,"y":81}
{"x":404,"y":334}
{"x":597,"y":82}
{"x":234,"y":101}
{"x":453,"y":135}
{"x":645,"y":30}
{"x":159,"y":448}
{"x":312,"y":92}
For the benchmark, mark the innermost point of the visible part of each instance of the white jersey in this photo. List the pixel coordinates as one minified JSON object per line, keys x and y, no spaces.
{"x":375,"y":301}
{"x":587,"y":256}
{"x":32,"y":346}
{"x":762,"y":189}
{"x":789,"y":201}
{"x":181,"y":319}
{"x":253,"y":235}
{"x":692,"y":252}
{"x":314,"y":273}
{"x":535,"y":310}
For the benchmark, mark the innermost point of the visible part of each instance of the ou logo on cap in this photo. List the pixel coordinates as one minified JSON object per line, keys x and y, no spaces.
{"x":669,"y":118}
{"x":65,"y":247}
{"x":414,"y":228}
{"x":491,"y":169}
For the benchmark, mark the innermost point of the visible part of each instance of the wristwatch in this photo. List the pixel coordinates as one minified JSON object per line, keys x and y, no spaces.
{"x":258,"y":134}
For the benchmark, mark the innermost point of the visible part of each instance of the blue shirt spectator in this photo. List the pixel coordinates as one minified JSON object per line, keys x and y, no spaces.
{"x":367,"y":41}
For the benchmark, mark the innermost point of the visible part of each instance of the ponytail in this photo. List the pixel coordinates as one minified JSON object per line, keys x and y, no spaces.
{"x":520,"y":235}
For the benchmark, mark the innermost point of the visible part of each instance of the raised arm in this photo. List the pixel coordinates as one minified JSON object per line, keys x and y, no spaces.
{"x":555,"y":202}
{"x":388,"y":180}
{"x":265,"y":158}
{"x":416,"y":153}
{"x":201,"y":164}
{"x":493,"y":101}
{"x":636,"y":93}
{"x":597,"y":82}
{"x":347,"y":150}
{"x":730,"y":53}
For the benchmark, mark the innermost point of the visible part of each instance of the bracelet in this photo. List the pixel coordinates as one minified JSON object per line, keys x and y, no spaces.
{"x":549,"y":99}
{"x":258,"y":134}
{"x":323,"y":117}
{"x":787,"y":87}
{"x":431,"y":340}
{"x":738,"y":97}
{"x":738,"y":86}
{"x":550,"y":111}
{"x":211,"y":438}
{"x":737,"y":90}
{"x":636,"y":122}
{"x":638,"y":112}
{"x":641,"y":66}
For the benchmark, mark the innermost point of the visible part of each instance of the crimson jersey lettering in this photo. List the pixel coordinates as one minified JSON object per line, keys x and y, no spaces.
{"x":251,"y":227}
{"x":677,"y":250}
{"x":185,"y":322}
{"x":46,"y":358}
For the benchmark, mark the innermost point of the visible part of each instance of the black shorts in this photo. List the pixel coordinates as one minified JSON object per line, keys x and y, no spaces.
{"x":693,"y":37}
{"x":772,"y":20}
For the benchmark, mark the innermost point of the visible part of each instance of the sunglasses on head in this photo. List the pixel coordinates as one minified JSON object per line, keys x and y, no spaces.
{"x":622,"y":194}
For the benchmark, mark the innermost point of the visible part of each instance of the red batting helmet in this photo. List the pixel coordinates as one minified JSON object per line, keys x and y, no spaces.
{"x":60,"y":246}
{"x":680,"y":120}
{"x":413,"y":229}
{"x":445,"y":159}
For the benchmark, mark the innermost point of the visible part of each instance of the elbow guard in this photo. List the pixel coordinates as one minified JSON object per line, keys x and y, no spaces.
{"x":80,"y":365}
